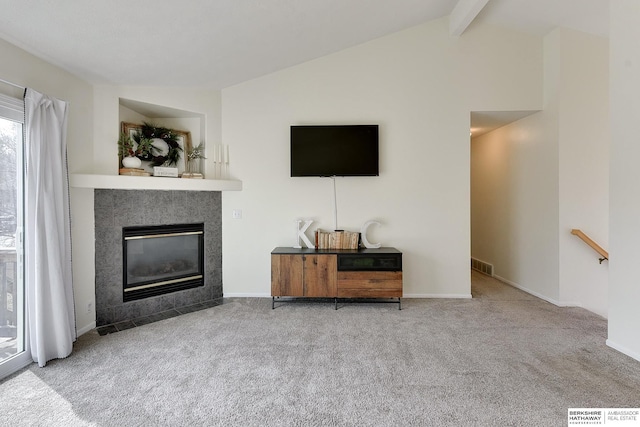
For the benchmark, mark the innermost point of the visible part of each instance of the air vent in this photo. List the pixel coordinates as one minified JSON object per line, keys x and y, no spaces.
{"x":482,"y":267}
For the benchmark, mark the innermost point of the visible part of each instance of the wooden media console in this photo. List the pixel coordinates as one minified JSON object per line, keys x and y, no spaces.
{"x":335,"y":273}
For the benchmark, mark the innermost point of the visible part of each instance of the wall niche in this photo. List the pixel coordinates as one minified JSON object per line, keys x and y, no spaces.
{"x":138,"y":112}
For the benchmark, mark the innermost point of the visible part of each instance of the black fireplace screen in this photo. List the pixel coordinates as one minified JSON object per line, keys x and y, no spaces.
{"x":160,"y":259}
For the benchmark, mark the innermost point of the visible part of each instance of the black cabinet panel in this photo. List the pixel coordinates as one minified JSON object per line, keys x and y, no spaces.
{"x":370,"y":262}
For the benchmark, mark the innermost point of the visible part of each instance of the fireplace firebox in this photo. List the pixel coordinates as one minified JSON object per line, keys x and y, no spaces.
{"x":160,"y":259}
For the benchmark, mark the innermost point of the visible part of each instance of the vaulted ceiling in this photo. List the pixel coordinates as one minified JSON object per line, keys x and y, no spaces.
{"x":219,"y":43}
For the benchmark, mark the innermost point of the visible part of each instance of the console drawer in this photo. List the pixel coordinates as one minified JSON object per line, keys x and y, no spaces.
{"x":370,"y":284}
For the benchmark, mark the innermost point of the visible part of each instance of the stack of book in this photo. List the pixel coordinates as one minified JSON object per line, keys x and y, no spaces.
{"x":192,"y":175}
{"x":165,"y":172}
{"x":134,"y":172}
{"x":337,"y":239}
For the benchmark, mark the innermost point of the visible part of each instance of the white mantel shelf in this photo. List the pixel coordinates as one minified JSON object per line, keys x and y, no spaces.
{"x":124,"y":182}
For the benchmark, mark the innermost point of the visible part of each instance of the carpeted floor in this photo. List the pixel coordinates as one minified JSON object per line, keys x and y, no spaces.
{"x":501,"y":358}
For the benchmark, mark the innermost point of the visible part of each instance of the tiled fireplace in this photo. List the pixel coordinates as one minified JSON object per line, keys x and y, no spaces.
{"x":116,"y":210}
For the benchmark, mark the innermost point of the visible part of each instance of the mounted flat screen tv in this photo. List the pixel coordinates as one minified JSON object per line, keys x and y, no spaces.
{"x":334,"y":150}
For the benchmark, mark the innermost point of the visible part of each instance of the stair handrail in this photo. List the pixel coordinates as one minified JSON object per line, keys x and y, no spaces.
{"x":596,"y":247}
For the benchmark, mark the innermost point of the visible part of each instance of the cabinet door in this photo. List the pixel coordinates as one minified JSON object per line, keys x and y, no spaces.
{"x":286,"y":276}
{"x":320,"y":275}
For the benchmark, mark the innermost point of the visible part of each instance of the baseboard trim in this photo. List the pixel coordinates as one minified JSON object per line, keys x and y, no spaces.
{"x":573,"y":304}
{"x":252,"y":295}
{"x":537,"y":294}
{"x":456,"y":296}
{"x":623,"y":350}
{"x":247,"y":295}
{"x":91,"y":326}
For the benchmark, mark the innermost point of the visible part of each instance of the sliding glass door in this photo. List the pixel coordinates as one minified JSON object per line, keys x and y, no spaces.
{"x":12,"y":337}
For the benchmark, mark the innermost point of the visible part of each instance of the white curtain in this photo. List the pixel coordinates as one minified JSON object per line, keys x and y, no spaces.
{"x":49,"y":288}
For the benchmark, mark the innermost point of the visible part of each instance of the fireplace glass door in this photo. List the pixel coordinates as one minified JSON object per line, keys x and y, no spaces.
{"x":162,"y":259}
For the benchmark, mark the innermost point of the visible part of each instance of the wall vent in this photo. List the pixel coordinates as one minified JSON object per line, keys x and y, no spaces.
{"x":482,"y":267}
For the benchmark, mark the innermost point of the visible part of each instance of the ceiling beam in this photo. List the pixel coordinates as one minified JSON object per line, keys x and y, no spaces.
{"x":463,"y":14}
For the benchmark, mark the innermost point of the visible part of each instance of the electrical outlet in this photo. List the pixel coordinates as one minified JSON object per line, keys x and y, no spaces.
{"x":236,"y":214}
{"x":89,"y":308}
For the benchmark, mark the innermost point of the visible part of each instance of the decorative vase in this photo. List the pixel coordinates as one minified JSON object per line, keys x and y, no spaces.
{"x":131,"y":162}
{"x":193,"y":166}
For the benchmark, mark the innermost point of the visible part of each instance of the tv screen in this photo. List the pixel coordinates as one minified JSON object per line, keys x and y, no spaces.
{"x":336,"y":150}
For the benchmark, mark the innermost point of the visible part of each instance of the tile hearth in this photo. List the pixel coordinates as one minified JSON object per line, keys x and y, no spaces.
{"x":128,"y":324}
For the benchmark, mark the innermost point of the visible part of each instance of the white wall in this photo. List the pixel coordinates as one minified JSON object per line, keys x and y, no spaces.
{"x":536,"y":179}
{"x":419,"y":85}
{"x":21,"y":68}
{"x":584,"y":142}
{"x":624,"y":226}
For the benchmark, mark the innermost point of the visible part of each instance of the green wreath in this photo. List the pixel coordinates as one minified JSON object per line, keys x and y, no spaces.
{"x":147,"y":133}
